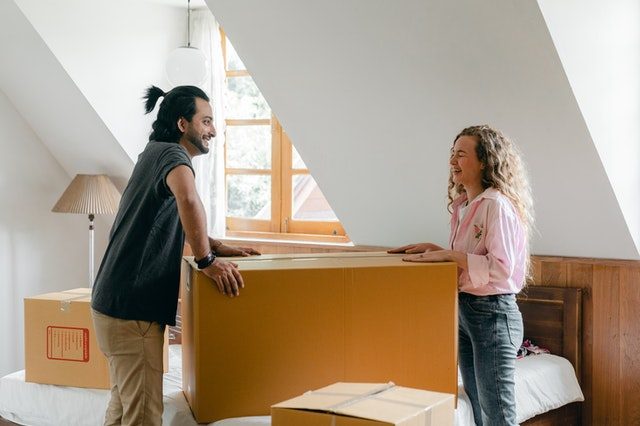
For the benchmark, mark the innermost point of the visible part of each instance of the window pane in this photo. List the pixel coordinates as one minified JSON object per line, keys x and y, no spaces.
{"x":249,"y":196}
{"x":308,"y":201}
{"x":297,"y":162}
{"x":234,"y":63}
{"x":249,"y":147}
{"x":244,"y":100}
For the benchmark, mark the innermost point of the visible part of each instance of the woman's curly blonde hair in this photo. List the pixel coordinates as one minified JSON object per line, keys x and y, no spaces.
{"x":503,"y":170}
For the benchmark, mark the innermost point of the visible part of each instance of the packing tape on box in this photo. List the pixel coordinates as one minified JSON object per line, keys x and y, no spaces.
{"x":423,"y":419}
{"x":65,"y":304}
{"x":354,"y":399}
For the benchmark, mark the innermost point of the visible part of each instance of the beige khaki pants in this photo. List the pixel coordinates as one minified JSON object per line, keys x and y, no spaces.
{"x":134,"y":351}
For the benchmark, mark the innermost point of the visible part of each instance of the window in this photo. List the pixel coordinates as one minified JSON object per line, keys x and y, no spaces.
{"x":269,"y":190}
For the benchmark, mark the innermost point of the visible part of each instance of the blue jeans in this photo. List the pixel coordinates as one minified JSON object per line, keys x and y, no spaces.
{"x":490,"y":333}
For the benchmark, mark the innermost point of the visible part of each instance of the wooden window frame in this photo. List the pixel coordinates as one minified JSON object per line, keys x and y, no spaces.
{"x":238,"y":224}
{"x":288,"y":223}
{"x":281,"y":226}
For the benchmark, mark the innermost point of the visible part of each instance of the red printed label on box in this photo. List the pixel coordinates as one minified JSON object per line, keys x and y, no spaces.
{"x":68,"y":343}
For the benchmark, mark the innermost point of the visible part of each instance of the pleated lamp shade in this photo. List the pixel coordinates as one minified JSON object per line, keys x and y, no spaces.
{"x":89,"y":194}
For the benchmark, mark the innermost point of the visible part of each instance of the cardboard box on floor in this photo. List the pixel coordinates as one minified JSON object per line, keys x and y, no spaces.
{"x":304,"y":322}
{"x":60,"y":342}
{"x":365,"y":404}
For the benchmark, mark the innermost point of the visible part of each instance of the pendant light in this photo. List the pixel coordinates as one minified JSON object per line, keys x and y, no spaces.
{"x":186,"y":65}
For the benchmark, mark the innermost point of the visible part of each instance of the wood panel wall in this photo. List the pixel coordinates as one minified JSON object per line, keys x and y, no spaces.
{"x":610,"y":325}
{"x":610,"y":333}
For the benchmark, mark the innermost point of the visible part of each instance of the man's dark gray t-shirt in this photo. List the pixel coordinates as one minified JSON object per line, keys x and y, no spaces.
{"x":140,"y":272}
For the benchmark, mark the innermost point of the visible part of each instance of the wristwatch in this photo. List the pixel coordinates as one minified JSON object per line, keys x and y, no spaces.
{"x":206,"y":261}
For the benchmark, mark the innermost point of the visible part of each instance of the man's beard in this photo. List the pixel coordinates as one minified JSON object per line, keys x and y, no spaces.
{"x":198,"y":143}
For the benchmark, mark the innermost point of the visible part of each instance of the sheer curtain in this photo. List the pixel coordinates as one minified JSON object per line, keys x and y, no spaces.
{"x":210,"y":168}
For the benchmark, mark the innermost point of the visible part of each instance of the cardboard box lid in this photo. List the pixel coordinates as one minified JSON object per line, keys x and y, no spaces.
{"x":65,"y":297}
{"x":383,"y":402}
{"x":279,"y":256}
{"x":61,"y":295}
{"x":325,"y":262}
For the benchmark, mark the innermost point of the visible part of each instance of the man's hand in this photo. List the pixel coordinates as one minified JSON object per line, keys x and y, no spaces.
{"x":226,"y":276}
{"x":416,"y":248}
{"x":227,"y":251}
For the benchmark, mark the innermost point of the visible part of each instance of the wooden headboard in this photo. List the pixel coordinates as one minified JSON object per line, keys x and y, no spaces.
{"x":552,"y":319}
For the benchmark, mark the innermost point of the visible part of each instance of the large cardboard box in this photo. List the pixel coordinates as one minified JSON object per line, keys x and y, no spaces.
{"x":60,"y":341}
{"x":304,"y":322}
{"x":365,"y":404}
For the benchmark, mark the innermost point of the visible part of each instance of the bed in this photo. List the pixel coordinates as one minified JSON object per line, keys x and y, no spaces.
{"x":547,"y":388}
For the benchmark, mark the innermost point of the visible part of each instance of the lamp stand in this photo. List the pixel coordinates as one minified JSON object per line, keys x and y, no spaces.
{"x":92,"y":195}
{"x":91,"y":278}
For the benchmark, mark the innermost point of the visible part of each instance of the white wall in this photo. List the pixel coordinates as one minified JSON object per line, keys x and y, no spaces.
{"x":599,"y":45}
{"x":42,"y":92}
{"x":40,"y":251}
{"x":372,"y":93}
{"x":379,"y":123}
{"x":112,"y":50}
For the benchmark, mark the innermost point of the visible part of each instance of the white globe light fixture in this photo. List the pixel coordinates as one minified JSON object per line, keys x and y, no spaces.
{"x":186,"y":65}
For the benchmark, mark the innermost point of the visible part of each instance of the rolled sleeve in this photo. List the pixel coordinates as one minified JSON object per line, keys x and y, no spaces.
{"x":496,"y":267}
{"x":170,"y":159}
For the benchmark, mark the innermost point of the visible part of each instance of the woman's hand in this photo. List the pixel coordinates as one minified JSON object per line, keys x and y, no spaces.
{"x":416,"y":248}
{"x":431,"y":256}
{"x":440,"y":256}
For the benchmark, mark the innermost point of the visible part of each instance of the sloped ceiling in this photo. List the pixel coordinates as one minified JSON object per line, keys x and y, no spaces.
{"x":41,"y":90}
{"x":599,"y":45}
{"x":372,"y":93}
{"x":112,"y":51}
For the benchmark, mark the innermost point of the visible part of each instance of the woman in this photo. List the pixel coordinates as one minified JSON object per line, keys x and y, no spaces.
{"x":490,"y":203}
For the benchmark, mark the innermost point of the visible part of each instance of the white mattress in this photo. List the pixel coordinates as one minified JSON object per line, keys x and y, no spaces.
{"x":543,"y":383}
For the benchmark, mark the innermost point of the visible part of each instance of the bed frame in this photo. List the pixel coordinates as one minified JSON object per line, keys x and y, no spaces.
{"x":552,"y":319}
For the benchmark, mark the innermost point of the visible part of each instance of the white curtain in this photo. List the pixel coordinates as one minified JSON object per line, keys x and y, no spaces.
{"x":210,"y":168}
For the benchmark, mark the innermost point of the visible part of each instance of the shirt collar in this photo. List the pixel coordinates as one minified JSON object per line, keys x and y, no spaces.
{"x":490,"y":193}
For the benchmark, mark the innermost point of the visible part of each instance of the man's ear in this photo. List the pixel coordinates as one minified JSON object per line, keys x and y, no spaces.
{"x":182,"y":124}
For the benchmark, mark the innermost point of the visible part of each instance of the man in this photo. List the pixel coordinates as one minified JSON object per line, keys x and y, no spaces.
{"x":136,"y":290}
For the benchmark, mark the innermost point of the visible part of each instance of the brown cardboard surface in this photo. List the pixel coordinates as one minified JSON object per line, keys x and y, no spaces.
{"x":56,"y":326}
{"x":312,"y":418}
{"x":303,"y":323}
{"x":317,"y":261}
{"x":60,"y":342}
{"x":285,"y":256}
{"x":366,"y":404}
